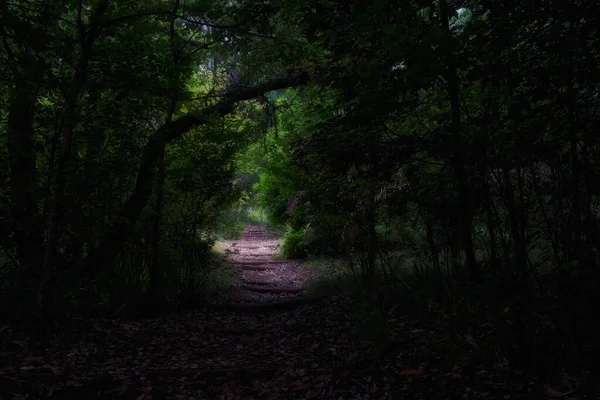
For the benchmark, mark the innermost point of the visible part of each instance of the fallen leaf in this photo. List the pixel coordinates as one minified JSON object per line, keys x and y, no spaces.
{"x":550,"y":391}
{"x":455,"y":375}
{"x":412,"y":372}
{"x":564,"y":383}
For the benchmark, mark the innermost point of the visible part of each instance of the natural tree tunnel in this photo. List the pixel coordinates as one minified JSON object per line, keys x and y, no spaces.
{"x":313,"y":199}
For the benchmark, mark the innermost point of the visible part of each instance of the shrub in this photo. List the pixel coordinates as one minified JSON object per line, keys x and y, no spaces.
{"x":293,"y":244}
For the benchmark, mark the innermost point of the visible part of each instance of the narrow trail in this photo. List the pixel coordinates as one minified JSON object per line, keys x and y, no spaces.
{"x":309,"y":350}
{"x":262,"y":277}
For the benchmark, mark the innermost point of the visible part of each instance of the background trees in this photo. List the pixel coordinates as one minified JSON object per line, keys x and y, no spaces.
{"x":464,"y":129}
{"x":98,"y":203}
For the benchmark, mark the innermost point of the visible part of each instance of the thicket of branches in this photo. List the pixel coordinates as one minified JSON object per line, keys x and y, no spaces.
{"x":120,"y":123}
{"x":467,"y":130}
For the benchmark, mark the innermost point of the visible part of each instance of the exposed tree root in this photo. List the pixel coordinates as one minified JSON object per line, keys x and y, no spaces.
{"x":255,"y":247}
{"x":263,"y":289}
{"x":246,"y":370}
{"x":255,"y":283}
{"x":257,"y":268}
{"x":260,"y":262}
{"x":265,"y":307}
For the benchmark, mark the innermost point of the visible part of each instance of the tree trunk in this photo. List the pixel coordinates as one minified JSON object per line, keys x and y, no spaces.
{"x":26,"y":223}
{"x":57,"y":209}
{"x":519,"y":249}
{"x":458,"y":159}
{"x":371,"y":236}
{"x":155,"y":284}
{"x":27,"y":226}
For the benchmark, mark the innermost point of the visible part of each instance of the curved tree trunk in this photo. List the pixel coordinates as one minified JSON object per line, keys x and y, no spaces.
{"x":107,"y":251}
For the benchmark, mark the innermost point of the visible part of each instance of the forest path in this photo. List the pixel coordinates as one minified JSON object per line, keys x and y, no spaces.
{"x":254,"y":350}
{"x":262,"y":277}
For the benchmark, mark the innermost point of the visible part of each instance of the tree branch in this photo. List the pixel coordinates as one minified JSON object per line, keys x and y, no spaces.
{"x":118,"y":233}
{"x":204,"y":22}
{"x":124,"y":18}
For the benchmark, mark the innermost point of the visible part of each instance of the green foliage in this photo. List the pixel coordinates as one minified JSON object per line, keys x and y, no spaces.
{"x":102,"y":170}
{"x":230,"y":224}
{"x":293,"y":244}
{"x":448,"y":144}
{"x":127,"y":147}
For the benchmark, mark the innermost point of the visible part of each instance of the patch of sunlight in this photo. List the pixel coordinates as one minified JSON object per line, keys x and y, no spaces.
{"x":220,"y":247}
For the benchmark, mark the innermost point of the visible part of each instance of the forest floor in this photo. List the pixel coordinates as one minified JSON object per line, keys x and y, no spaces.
{"x":266,"y":342}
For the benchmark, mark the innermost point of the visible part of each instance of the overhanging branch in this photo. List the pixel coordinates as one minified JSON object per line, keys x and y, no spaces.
{"x":139,"y":14}
{"x":117,"y":235}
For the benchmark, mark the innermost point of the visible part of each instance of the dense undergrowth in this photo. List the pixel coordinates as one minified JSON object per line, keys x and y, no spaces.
{"x":443,"y":155}
{"x":475,"y":323}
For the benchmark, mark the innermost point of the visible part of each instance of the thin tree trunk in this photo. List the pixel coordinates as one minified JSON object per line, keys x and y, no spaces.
{"x":371,"y":236}
{"x":515,"y":229}
{"x":57,"y":208}
{"x":577,"y":252}
{"x":27,"y":225}
{"x":155,"y":284}
{"x":28,"y":229}
{"x":458,"y":160}
{"x":491,"y":218}
{"x":433,"y":250}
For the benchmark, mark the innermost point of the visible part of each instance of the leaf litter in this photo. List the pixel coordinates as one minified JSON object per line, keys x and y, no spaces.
{"x":308,"y":351}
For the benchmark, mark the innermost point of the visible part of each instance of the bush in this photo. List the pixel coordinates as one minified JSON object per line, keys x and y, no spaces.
{"x":293,"y":244}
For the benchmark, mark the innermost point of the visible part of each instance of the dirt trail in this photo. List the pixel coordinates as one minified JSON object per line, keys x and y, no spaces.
{"x":264,"y":278}
{"x":305,"y":351}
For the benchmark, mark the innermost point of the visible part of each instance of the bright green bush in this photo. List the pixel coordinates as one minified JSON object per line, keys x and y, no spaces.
{"x":293,"y":244}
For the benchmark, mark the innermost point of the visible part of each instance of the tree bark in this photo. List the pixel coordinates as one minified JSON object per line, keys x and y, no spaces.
{"x":372,"y":245}
{"x":27,"y":227}
{"x":87,"y":38}
{"x":154,"y":293}
{"x":458,"y":160}
{"x":520,"y":251}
